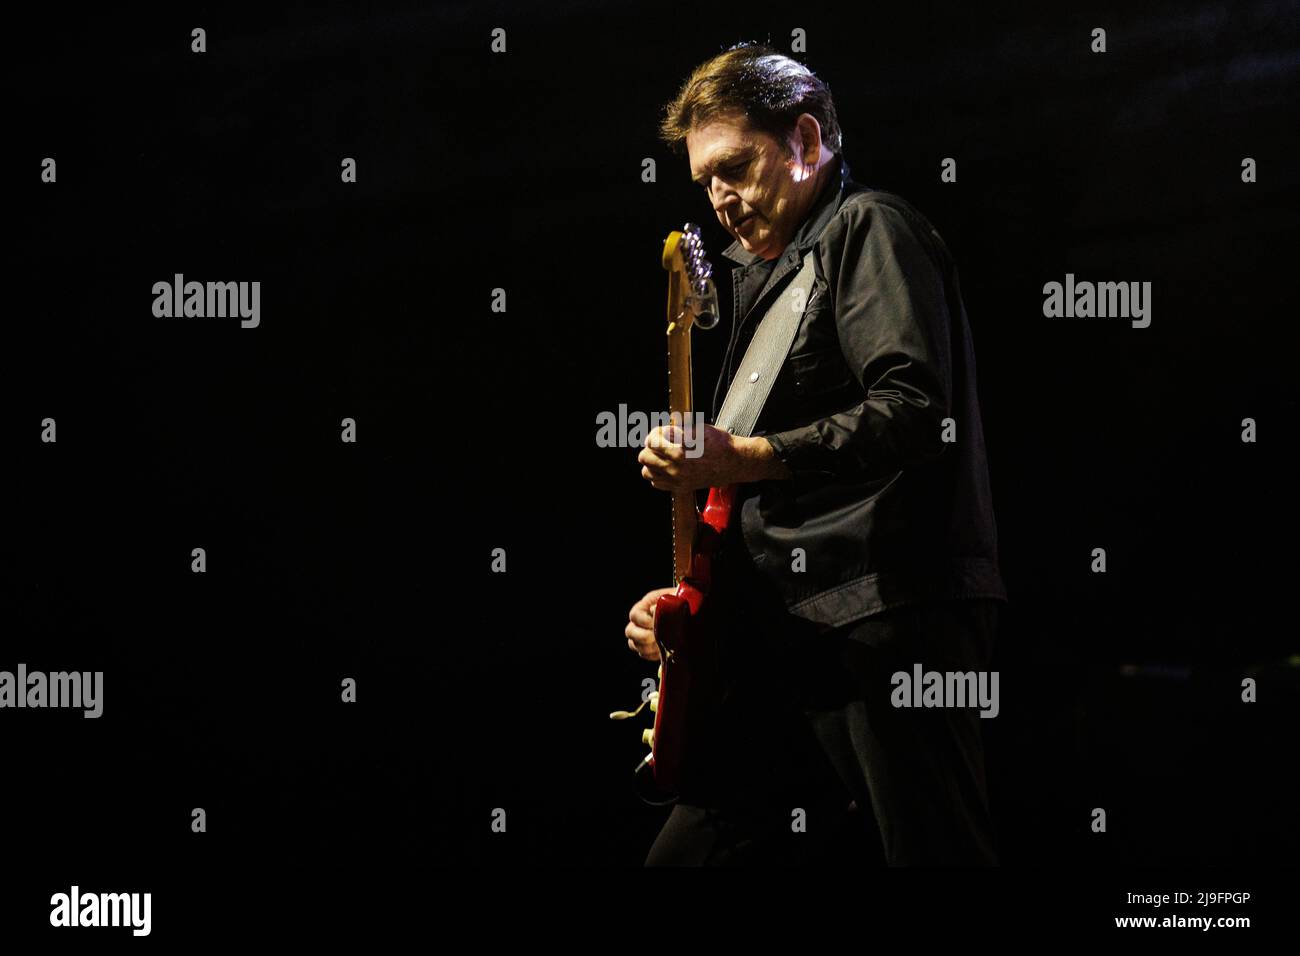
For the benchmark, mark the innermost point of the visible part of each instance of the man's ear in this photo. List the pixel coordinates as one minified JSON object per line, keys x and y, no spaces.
{"x":809,"y":135}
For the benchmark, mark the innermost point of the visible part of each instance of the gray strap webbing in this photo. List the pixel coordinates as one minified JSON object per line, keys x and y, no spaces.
{"x":766,"y":354}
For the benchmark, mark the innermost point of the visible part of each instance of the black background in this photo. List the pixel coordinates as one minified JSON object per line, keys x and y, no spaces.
{"x":476,"y":429}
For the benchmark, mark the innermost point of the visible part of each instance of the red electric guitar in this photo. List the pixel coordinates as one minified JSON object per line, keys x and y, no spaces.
{"x":687,"y":647}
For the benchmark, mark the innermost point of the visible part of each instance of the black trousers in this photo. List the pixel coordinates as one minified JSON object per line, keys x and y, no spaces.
{"x":812,"y":764}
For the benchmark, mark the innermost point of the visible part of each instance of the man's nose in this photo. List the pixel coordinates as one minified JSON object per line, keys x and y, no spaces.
{"x":723,"y":199}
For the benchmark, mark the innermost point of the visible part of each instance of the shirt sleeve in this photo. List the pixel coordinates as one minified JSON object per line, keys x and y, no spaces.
{"x":892,"y":319}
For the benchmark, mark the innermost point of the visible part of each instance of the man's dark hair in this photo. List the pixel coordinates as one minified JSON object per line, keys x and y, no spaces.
{"x":767,"y":87}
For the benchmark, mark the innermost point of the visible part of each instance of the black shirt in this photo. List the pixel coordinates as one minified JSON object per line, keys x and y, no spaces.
{"x":875,"y":413}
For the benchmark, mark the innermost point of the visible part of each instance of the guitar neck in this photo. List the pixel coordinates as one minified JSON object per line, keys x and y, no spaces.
{"x":680,"y":405}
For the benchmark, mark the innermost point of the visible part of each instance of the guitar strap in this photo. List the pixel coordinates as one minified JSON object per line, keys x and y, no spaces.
{"x":758,"y":370}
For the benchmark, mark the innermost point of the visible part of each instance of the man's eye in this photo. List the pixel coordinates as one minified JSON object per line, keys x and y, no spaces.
{"x":730,"y":172}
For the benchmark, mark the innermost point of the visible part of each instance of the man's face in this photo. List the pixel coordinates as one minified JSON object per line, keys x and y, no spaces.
{"x":759,"y":191}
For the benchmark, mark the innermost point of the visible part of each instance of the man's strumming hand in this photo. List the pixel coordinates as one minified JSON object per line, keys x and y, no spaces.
{"x":640,"y":630}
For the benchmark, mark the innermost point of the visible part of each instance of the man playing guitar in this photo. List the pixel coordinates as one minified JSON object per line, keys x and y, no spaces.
{"x":865,"y":542}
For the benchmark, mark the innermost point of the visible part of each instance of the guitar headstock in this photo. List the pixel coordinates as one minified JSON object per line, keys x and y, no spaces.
{"x":693,"y":274}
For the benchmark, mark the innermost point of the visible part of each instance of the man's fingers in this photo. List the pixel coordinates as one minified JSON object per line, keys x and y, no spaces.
{"x":666,"y":442}
{"x":642,"y":615}
{"x":654,"y":459}
{"x":662,"y":473}
{"x":640,"y":626}
{"x":649,"y":654}
{"x":661,"y":482}
{"x":642,"y":642}
{"x":642,"y":635}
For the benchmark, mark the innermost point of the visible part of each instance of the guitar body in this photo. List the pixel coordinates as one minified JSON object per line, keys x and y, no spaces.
{"x":686,"y":633}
